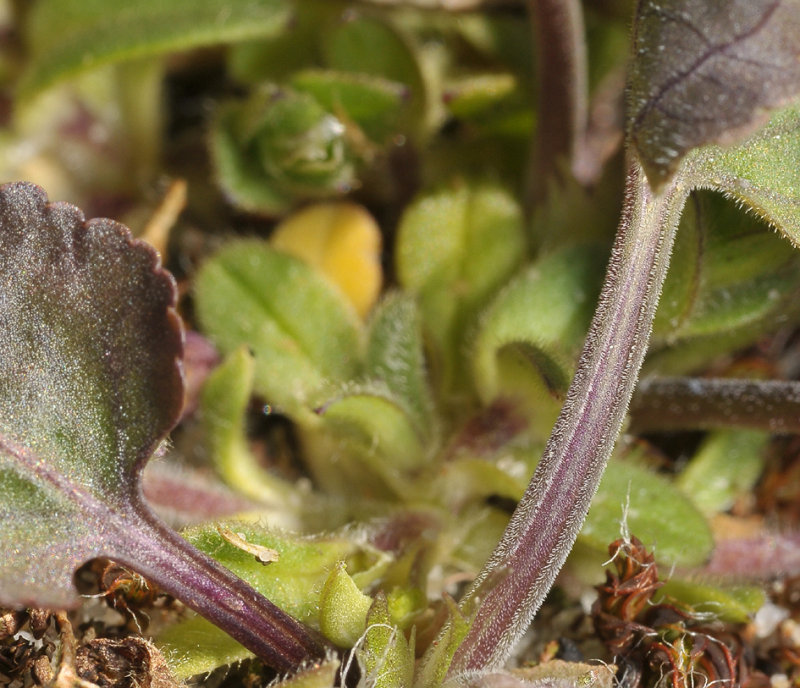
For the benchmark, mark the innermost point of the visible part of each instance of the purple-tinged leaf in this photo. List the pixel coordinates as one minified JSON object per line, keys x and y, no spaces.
{"x":764,"y":556}
{"x":90,"y":383}
{"x":708,"y":72}
{"x":183,"y":497}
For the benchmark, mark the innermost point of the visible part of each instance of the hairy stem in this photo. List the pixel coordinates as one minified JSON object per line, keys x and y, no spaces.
{"x":164,"y":557}
{"x":514,"y":582}
{"x":562,"y":90}
{"x":703,"y":403}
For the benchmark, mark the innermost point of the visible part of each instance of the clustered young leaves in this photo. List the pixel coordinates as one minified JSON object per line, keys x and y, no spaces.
{"x":392,"y":278}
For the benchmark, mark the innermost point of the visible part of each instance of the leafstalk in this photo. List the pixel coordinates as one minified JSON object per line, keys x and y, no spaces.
{"x":512,"y":585}
{"x":163,"y":556}
{"x":663,"y":404}
{"x":562,"y":94}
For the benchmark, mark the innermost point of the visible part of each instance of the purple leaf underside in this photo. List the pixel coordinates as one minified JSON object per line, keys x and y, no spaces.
{"x":90,"y":384}
{"x":708,"y":72}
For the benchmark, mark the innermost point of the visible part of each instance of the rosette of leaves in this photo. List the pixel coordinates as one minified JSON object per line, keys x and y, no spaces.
{"x":383,"y":431}
{"x":279,"y":146}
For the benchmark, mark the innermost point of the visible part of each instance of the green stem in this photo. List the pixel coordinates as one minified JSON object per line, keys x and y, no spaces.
{"x":514,"y":582}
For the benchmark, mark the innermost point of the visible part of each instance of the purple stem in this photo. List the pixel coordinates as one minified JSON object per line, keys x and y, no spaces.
{"x":558,"y":35}
{"x":176,"y":567}
{"x":514,"y":582}
{"x":687,"y":403}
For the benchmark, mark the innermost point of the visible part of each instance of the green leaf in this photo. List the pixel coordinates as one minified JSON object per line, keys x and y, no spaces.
{"x":455,"y":248}
{"x":433,"y":666}
{"x":479,"y":94}
{"x":650,"y":506}
{"x":732,"y":604}
{"x":727,"y":465}
{"x":364,"y":44}
{"x":705,"y":73}
{"x":223,"y":406}
{"x":240,"y":176}
{"x":531,"y":333}
{"x":387,"y":658}
{"x":294,"y":48}
{"x":763,"y":172}
{"x":378,"y":431}
{"x":90,"y":384}
{"x":342,"y":608}
{"x":277,"y":147}
{"x":374,"y":103}
{"x":294,"y":582}
{"x":303,"y":334}
{"x":322,"y":675}
{"x":395,"y":358}
{"x":66,"y":37}
{"x":731,"y":282}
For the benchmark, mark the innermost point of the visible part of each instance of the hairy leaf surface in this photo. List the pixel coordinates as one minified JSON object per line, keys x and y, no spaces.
{"x":763,"y":172}
{"x":89,"y":381}
{"x":302,"y":332}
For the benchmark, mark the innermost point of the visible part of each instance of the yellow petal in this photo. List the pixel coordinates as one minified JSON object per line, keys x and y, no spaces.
{"x":343,"y":241}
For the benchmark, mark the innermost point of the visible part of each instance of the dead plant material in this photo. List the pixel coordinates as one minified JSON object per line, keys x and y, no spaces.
{"x":661,"y":642}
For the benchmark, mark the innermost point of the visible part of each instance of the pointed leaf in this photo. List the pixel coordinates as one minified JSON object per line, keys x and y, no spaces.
{"x":301,"y":331}
{"x":342,"y":608}
{"x":294,"y":582}
{"x":387,"y":658}
{"x":395,"y":358}
{"x":706,"y":72}
{"x":433,"y":666}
